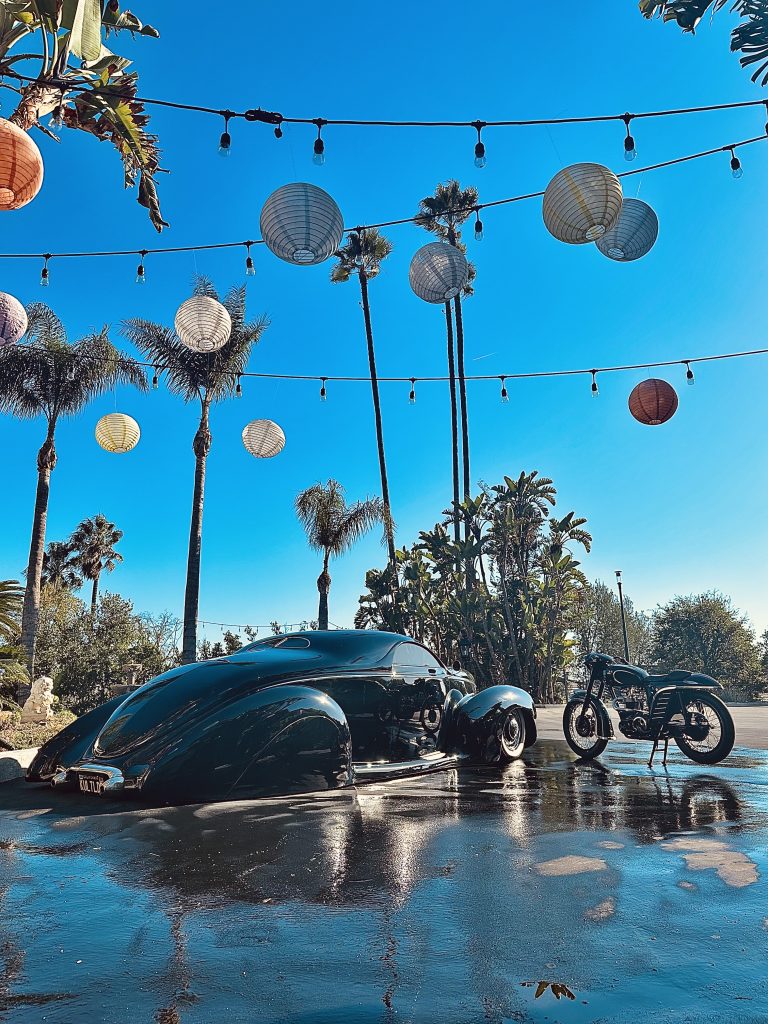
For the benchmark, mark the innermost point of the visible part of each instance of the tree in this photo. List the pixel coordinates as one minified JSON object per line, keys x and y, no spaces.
{"x":11,"y":600}
{"x":205,"y":377}
{"x":333,"y":527}
{"x":80,"y":82}
{"x":94,"y":543}
{"x":48,"y":377}
{"x":596,"y":624}
{"x":705,"y":633}
{"x":750,"y":37}
{"x":362,"y":256}
{"x":59,"y":567}
{"x":442,"y":215}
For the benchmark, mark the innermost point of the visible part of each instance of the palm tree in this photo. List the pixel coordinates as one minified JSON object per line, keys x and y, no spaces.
{"x":442,"y":215}
{"x":332,"y":527}
{"x":48,"y":377}
{"x":94,"y":543}
{"x":205,"y":377}
{"x":11,"y":601}
{"x":362,"y":256}
{"x":59,"y":567}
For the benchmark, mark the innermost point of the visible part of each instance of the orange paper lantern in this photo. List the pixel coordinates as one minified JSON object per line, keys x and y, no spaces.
{"x":653,"y":402}
{"x":21,"y":167}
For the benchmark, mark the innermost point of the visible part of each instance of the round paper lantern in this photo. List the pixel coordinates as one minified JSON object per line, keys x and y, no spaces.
{"x":21,"y":167}
{"x":263,"y":438}
{"x":581,"y":203}
{"x":438,"y":272}
{"x":13,"y":319}
{"x":653,"y":402}
{"x":301,"y":224}
{"x":633,"y":235}
{"x":203,"y":324}
{"x":117,"y":433}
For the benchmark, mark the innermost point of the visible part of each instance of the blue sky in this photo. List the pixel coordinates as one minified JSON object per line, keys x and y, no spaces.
{"x":679,"y":508}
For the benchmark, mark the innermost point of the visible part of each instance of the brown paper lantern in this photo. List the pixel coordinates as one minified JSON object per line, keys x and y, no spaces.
{"x":653,"y":402}
{"x":21,"y":167}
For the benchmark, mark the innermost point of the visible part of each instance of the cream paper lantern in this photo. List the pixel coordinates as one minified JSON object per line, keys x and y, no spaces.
{"x":13,"y":320}
{"x":633,"y":235}
{"x":21,"y":167}
{"x":263,"y":438}
{"x":203,"y":324}
{"x":438,"y":272}
{"x":117,"y":433}
{"x":581,"y":203}
{"x":301,"y":224}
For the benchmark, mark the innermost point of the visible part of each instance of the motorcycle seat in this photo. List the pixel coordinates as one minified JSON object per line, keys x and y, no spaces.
{"x":677,"y":675}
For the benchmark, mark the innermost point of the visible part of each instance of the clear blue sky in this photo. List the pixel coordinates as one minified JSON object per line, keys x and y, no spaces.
{"x":679,"y":508}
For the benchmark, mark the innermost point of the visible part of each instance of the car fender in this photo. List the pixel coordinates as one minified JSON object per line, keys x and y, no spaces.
{"x":478,"y":717}
{"x":72,"y":743}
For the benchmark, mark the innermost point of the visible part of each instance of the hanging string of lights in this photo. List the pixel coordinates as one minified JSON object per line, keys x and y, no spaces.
{"x":247,"y":244}
{"x":502,"y":378}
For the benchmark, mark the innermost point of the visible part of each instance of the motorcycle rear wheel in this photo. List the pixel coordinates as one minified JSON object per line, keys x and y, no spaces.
{"x":591,"y":745}
{"x":721,"y":736}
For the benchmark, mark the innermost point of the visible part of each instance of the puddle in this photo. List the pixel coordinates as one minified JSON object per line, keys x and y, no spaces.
{"x":733,"y":867}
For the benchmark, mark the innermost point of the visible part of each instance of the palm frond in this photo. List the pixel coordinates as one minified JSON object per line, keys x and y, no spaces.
{"x":363,"y":252}
{"x":356,"y":522}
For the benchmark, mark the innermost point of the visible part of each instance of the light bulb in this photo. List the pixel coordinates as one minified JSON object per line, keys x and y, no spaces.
{"x":155,"y":381}
{"x":479,"y":154}
{"x":504,"y":393}
{"x":689,"y":378}
{"x":736,"y":169}
{"x":250,"y":270}
{"x":319,"y":152}
{"x":478,"y":230}
{"x":140,"y":276}
{"x":595,"y":391}
{"x":44,"y":277}
{"x":225,"y":144}
{"x":238,"y":389}
{"x":323,"y":392}
{"x":412,"y":395}
{"x":630,"y":153}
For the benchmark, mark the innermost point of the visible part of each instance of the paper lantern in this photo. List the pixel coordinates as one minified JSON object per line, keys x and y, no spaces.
{"x":653,"y":402}
{"x":301,"y":224}
{"x":581,"y":203}
{"x":203,"y":324}
{"x":13,"y":319}
{"x":21,"y":167}
{"x":633,"y":235}
{"x":117,"y":433}
{"x":263,"y":438}
{"x":438,"y":272}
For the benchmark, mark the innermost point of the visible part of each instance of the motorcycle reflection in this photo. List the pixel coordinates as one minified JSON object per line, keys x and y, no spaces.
{"x":680,"y":705}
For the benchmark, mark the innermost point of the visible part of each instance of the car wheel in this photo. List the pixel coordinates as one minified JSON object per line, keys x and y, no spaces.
{"x":512,"y":736}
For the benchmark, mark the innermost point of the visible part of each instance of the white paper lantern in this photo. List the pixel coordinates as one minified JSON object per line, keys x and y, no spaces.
{"x":633,"y":235}
{"x":581,"y":203}
{"x":301,"y":224}
{"x":263,"y":438}
{"x":13,"y":319}
{"x":117,"y":433}
{"x":438,"y":272}
{"x":203,"y":324}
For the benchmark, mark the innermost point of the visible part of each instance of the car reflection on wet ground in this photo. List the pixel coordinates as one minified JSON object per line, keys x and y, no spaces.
{"x":554,"y":891}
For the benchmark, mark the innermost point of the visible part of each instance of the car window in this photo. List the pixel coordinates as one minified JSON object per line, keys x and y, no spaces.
{"x":294,"y":642}
{"x":414,"y":656}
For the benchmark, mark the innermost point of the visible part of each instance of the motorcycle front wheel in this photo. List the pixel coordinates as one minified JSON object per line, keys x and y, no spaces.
{"x":582,"y":732}
{"x":712,"y":730}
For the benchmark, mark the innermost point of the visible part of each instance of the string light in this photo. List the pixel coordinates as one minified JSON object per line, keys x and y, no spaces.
{"x":323,"y":391}
{"x":44,"y":274}
{"x":689,"y":378}
{"x":155,"y":381}
{"x":595,"y":391}
{"x":504,"y":393}
{"x":736,"y":168}
{"x":225,"y":142}
{"x":478,"y":225}
{"x":140,"y":275}
{"x":630,"y":152}
{"x":239,"y":388}
{"x":279,"y":130}
{"x":57,"y":117}
{"x":412,"y":395}
{"x":480,"y":160}
{"x":250,"y":269}
{"x":319,"y":147}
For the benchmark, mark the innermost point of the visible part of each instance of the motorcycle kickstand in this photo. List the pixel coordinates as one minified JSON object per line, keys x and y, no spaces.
{"x":655,"y":748}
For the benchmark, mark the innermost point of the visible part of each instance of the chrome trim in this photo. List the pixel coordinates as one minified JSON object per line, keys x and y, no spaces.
{"x":115,"y":780}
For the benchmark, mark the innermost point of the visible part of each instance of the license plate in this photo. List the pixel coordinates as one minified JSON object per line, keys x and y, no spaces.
{"x":91,"y":784}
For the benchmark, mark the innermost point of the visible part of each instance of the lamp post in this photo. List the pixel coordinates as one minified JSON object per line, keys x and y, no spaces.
{"x":623,"y":616}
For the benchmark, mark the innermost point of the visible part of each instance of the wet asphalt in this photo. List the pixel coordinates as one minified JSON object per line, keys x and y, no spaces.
{"x":554,"y":891}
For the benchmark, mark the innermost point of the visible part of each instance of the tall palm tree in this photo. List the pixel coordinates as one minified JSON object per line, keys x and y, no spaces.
{"x":443,"y":214}
{"x":361,"y":256}
{"x":45,"y":376}
{"x":94,"y":543}
{"x":59,"y":567}
{"x":333,"y":527}
{"x":11,"y":601}
{"x":205,"y":377}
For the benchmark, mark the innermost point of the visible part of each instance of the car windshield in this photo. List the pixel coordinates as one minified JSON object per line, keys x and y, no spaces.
{"x":291,"y":642}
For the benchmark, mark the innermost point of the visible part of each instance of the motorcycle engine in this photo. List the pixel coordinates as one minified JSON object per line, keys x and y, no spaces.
{"x":632,"y":712}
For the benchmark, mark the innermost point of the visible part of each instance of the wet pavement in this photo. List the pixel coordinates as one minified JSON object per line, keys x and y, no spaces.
{"x":553,"y":891}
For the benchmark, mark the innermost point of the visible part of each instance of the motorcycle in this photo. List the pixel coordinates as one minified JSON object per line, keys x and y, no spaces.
{"x":680,"y":705}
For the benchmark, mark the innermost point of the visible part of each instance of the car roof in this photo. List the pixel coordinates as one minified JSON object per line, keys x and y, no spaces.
{"x":334,"y":647}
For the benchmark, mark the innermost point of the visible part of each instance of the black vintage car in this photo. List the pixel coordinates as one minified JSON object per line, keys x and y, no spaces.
{"x":294,"y":713}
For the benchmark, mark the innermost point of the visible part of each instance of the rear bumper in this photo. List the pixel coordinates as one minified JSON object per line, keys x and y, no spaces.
{"x":113,"y":779}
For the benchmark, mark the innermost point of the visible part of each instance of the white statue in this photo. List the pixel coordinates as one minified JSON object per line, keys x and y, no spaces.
{"x":38,"y":706}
